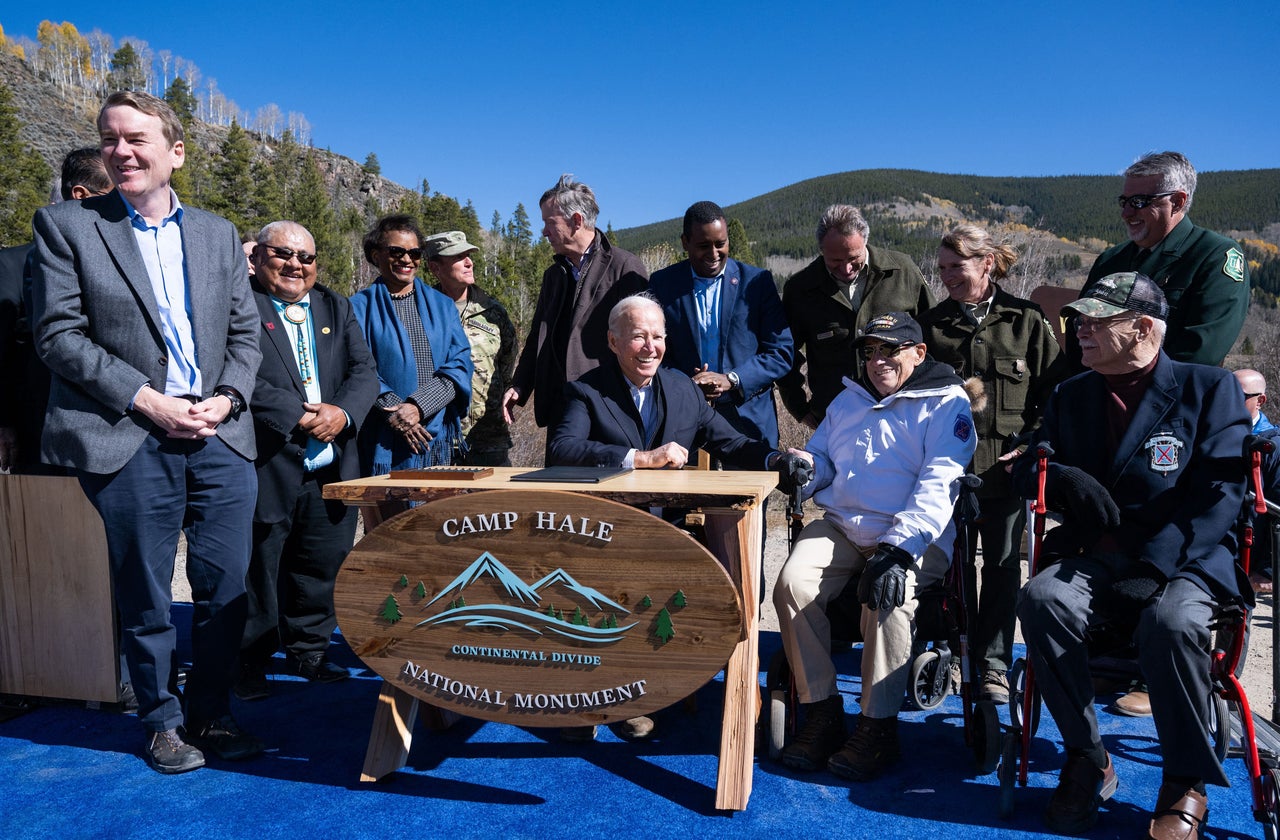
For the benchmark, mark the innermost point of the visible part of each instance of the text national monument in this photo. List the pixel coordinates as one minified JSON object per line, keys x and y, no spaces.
{"x":538,"y":608}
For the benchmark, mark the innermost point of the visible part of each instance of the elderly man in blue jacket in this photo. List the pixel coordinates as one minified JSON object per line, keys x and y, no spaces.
{"x":1147,"y":473}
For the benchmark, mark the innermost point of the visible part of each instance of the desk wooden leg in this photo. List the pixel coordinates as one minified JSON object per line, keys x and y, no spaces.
{"x":391,"y":735}
{"x":734,"y":537}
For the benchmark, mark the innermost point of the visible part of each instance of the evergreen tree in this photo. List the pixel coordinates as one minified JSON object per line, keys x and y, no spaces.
{"x":311,"y":206}
{"x":391,"y":610}
{"x":371,"y":165}
{"x":578,"y":617}
{"x":181,"y":100}
{"x":233,"y":190}
{"x":127,"y":72}
{"x":679,"y":599}
{"x":24,"y":177}
{"x":420,"y":591}
{"x":739,"y":246}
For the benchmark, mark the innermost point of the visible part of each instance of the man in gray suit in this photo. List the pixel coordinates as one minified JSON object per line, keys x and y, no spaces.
{"x":145,"y":319}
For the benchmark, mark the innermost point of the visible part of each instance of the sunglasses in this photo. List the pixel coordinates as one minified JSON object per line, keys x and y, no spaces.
{"x":1138,"y":202}
{"x":883,"y":351}
{"x":286,"y":254}
{"x":397,"y":253}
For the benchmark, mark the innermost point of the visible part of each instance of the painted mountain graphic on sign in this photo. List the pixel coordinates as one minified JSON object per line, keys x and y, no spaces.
{"x":486,"y":565}
{"x":527,"y":616}
{"x":562,"y":578}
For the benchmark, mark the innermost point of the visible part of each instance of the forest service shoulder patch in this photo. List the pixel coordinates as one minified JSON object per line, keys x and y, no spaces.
{"x":1233,"y":265}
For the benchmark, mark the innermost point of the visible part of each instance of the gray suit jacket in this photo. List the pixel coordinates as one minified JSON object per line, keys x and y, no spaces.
{"x":97,"y":328}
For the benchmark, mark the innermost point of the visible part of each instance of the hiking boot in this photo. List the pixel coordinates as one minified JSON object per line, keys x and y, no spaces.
{"x":995,"y":686}
{"x":822,"y":734}
{"x":871,"y":750}
{"x":167,"y":753}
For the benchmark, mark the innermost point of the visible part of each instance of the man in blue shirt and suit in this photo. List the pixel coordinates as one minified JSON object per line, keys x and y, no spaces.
{"x":144,"y":317}
{"x":726,"y":327}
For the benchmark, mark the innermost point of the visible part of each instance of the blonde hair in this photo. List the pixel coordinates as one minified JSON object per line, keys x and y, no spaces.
{"x":972,"y":241}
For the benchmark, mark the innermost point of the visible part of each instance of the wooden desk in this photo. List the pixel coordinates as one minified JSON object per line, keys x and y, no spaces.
{"x":57,"y":615}
{"x":733,"y":503}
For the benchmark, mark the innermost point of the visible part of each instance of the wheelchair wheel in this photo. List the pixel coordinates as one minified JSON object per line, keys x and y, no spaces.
{"x":1017,"y":687}
{"x":986,"y":736}
{"x":1008,"y":774}
{"x":1271,"y":804}
{"x":1221,"y":712}
{"x":930,"y":681}
{"x":781,"y":705}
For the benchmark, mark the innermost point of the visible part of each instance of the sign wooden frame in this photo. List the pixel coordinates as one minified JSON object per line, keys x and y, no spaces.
{"x":733,"y":505}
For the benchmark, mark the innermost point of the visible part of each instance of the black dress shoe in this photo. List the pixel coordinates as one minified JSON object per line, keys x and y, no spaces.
{"x":317,"y":668}
{"x":1082,"y":788}
{"x":128,"y":701}
{"x":225,"y":739}
{"x":252,"y":684}
{"x":167,"y":753}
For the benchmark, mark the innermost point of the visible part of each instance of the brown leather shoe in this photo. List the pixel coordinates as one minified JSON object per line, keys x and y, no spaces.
{"x":1137,"y":703}
{"x":1179,"y":813}
{"x":1082,"y":788}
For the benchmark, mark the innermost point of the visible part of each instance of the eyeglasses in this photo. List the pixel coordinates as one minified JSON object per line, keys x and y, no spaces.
{"x":286,"y":254}
{"x":1094,"y":324}
{"x":883,"y":351}
{"x":397,"y":253}
{"x":1138,"y":202}
{"x":1249,"y":396}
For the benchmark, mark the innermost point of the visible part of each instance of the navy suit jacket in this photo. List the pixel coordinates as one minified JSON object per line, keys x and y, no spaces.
{"x":600,"y":423}
{"x":348,"y":379}
{"x":1177,"y":475}
{"x":755,"y":341}
{"x":97,"y":327}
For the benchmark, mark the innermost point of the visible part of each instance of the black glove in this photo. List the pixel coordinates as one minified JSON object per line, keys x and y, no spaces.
{"x":883,"y":585}
{"x":1079,"y":495}
{"x":793,"y":472}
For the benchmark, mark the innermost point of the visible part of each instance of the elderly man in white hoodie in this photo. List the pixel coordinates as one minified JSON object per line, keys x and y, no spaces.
{"x":887,"y":462}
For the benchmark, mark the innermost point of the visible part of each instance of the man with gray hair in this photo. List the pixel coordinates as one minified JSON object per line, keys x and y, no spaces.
{"x":316,"y":384}
{"x":1146,"y":470}
{"x":1204,"y":275}
{"x":830,"y":301}
{"x":589,"y":275}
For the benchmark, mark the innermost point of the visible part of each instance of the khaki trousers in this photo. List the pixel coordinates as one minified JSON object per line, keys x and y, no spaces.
{"x":820,"y":565}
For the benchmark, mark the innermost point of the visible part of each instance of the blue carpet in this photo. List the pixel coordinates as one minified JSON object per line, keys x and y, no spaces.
{"x":70,"y":772}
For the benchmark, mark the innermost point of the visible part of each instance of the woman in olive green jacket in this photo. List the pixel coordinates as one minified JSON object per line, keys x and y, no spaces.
{"x":1006,"y":351}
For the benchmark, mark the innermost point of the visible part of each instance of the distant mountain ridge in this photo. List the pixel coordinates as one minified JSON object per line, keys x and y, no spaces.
{"x":909,"y":209}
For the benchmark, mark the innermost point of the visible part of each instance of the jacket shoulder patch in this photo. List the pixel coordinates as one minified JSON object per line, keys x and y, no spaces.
{"x":1233,"y":265}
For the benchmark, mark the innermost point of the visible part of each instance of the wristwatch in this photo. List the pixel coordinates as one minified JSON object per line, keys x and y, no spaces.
{"x":237,"y":401}
{"x":734,"y":382}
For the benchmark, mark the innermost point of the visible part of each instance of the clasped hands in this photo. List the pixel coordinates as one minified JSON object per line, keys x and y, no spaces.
{"x":179,"y":417}
{"x":713,"y":384}
{"x":322,"y":421}
{"x":406,"y":419}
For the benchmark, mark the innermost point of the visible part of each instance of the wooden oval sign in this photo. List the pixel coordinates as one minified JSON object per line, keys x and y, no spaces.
{"x":538,"y":608}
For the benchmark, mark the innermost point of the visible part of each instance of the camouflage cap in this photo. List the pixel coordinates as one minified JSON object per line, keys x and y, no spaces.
{"x":1125,"y":291}
{"x":447,"y":244}
{"x":896,"y":328}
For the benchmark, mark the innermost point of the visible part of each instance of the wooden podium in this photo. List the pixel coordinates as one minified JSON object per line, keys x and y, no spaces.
{"x":733,"y":505}
{"x":57,"y":620}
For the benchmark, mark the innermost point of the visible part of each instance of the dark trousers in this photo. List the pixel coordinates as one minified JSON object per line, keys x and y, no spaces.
{"x":991,"y":617}
{"x":292,"y":573}
{"x":1057,"y":608}
{"x":207,"y":491}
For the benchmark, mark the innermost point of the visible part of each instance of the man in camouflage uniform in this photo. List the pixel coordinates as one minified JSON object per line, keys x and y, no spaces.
{"x":493,"y":347}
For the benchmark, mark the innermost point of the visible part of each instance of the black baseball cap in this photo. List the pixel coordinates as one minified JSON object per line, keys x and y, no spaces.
{"x":896,"y":328}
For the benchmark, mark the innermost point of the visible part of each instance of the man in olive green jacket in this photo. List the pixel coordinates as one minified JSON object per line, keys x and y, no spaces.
{"x":1204,"y":275}
{"x":829,"y":301}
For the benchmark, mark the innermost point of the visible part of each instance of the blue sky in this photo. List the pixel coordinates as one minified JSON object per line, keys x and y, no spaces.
{"x":661,"y":104}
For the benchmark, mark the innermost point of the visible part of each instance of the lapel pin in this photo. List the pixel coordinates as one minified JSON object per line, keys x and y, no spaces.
{"x":270,"y":325}
{"x":325,"y":330}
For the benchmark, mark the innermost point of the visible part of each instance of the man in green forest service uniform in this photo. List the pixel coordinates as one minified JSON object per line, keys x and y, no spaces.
{"x":493,"y":347}
{"x":1204,"y":275}
{"x":829,"y":301}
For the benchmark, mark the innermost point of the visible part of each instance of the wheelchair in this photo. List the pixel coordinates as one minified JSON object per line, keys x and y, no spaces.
{"x":1230,"y":639}
{"x":940,"y":665}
